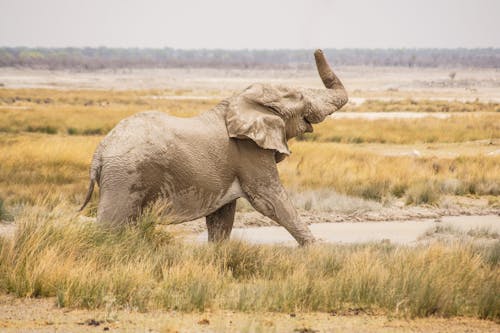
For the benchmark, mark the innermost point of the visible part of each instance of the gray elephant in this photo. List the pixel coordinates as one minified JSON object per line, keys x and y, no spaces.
{"x":201,"y":165}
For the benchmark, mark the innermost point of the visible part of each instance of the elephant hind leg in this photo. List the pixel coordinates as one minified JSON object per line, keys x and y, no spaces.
{"x":220,"y":222}
{"x":117,"y":209}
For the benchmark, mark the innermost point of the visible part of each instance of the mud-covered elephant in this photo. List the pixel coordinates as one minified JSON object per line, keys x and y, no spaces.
{"x":201,"y":165}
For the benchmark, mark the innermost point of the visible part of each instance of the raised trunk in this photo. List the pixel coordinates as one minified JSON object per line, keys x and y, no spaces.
{"x":335,"y":96}
{"x":330,"y":80}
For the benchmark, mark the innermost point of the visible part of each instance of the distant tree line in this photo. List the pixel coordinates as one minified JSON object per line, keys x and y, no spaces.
{"x":103,"y":57}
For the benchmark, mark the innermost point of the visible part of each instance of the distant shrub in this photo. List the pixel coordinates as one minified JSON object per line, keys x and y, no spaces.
{"x":93,"y":131}
{"x":431,"y":139}
{"x":87,"y":131}
{"x":72,"y":131}
{"x":399,"y":189}
{"x":335,"y":138}
{"x":422,"y":193}
{"x":356,"y":139}
{"x":483,"y":232}
{"x":452,"y":186}
{"x":486,"y":187}
{"x":375,"y":190}
{"x":4,"y":215}
{"x":306,"y":137}
{"x":42,"y":129}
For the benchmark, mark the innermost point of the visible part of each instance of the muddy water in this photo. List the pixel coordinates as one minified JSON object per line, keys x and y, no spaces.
{"x":401,"y":232}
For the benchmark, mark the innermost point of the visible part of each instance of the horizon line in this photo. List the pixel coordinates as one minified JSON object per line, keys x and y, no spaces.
{"x":252,"y":49}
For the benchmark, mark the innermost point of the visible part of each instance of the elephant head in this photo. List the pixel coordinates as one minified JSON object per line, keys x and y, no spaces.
{"x":270,"y":115}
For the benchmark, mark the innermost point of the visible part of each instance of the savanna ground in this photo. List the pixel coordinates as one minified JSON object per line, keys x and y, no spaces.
{"x":349,"y":169}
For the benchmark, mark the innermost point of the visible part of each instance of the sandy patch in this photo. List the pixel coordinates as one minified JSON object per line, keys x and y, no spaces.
{"x":41,"y":315}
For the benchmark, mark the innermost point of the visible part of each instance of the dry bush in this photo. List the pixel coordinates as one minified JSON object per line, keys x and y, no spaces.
{"x":422,"y":193}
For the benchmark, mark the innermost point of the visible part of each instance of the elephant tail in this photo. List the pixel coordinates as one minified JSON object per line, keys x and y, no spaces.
{"x":89,"y":194}
{"x":95,"y":171}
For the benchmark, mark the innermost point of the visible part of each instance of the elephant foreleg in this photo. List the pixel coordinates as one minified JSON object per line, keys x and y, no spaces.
{"x":220,"y":222}
{"x":270,"y":199}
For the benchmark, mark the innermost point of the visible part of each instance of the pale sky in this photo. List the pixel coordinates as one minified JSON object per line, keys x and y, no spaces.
{"x":263,"y":24}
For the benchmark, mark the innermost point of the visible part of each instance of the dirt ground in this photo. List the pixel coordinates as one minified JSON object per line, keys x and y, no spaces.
{"x":41,"y":315}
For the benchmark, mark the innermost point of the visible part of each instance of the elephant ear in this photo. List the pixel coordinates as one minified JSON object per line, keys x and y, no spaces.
{"x":252,"y":115}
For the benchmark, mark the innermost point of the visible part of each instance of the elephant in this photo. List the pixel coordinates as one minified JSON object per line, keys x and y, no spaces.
{"x":201,"y":165}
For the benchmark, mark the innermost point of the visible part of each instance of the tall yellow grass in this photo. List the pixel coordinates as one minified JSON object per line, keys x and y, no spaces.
{"x":424,"y":105}
{"x":69,"y":124}
{"x":460,"y":128}
{"x":36,"y":164}
{"x":53,"y":254}
{"x":361,"y":173}
{"x":84,"y":111}
{"x":96,"y":112}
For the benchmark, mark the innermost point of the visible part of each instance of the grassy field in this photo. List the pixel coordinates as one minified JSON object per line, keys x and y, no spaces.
{"x":372,"y":176}
{"x":95,"y":112}
{"x":36,"y":164}
{"x":87,"y":112}
{"x":52,"y":254}
{"x":48,"y":137}
{"x":460,"y":128}
{"x":423,"y":105}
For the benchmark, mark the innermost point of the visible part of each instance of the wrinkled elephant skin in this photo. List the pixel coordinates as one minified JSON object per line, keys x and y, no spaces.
{"x":200,"y":166}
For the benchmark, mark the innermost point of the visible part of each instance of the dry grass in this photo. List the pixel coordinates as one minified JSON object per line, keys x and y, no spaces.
{"x":361,"y":173}
{"x":87,"y":112}
{"x":95,"y":112}
{"x":53,"y":254}
{"x":423,"y":105}
{"x":69,"y":124}
{"x":36,"y":164}
{"x":325,"y":200}
{"x":408,"y":131}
